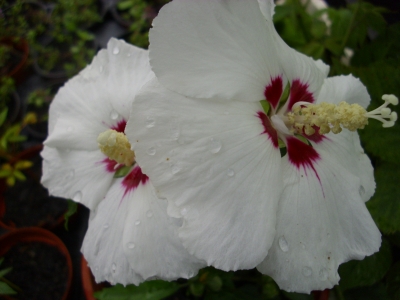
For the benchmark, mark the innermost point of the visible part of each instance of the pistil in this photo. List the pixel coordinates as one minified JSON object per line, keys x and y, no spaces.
{"x":116,"y":146}
{"x":326,"y":117}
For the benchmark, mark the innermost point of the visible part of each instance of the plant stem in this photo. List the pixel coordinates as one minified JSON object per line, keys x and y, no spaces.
{"x":350,"y":28}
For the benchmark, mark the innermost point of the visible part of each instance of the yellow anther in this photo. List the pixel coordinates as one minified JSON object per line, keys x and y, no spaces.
{"x":116,"y":146}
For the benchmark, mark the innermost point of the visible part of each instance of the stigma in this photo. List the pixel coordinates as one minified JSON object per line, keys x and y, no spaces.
{"x":327,"y":117}
{"x":116,"y":146}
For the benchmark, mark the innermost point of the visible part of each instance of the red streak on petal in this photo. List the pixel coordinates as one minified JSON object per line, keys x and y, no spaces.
{"x":111,"y":165}
{"x":299,"y":92}
{"x":316,"y":137}
{"x":133,"y":179}
{"x":268,"y":128}
{"x":120,"y":127}
{"x":273,"y":91}
{"x":301,"y":154}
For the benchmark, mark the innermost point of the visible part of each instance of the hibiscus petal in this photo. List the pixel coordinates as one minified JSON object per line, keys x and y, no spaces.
{"x":97,"y":98}
{"x":322,"y":222}
{"x":218,"y":164}
{"x":214,"y":49}
{"x":130,"y":238}
{"x":78,"y":175}
{"x":344,"y":88}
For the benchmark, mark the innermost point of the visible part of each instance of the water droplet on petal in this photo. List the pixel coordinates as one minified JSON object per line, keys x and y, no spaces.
{"x":131,"y":245}
{"x":283,"y":244}
{"x":214,"y":145}
{"x":114,"y":267}
{"x":137,"y":223}
{"x":175,"y":169}
{"x":149,"y":214}
{"x":230,"y":172}
{"x":129,"y":55}
{"x":323,"y":274}
{"x":184,"y":211}
{"x":106,"y":226}
{"x":96,"y":268}
{"x":150,"y":122}
{"x":151,"y":151}
{"x":361,"y":190}
{"x":306,"y":271}
{"x":116,"y":50}
{"x":114,"y":115}
{"x":77,"y":197}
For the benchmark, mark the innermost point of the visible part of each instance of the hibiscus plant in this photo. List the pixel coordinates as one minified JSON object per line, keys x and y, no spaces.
{"x":226,"y":160}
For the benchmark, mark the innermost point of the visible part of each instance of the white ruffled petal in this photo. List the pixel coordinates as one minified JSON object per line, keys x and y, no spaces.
{"x":344,"y":88}
{"x":322,"y":222}
{"x":98,"y":98}
{"x":218,"y":165}
{"x":214,"y":49}
{"x":130,"y":237}
{"x":83,"y":176}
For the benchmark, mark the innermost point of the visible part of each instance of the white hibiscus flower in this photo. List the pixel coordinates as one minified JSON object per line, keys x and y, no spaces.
{"x":130,"y":237}
{"x":214,"y":149}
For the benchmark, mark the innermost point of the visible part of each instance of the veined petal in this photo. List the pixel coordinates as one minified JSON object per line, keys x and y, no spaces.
{"x":217,"y":162}
{"x":131,"y":234}
{"x":98,"y":98}
{"x":345,"y":149}
{"x":78,"y":175}
{"x":214,"y":49}
{"x":344,"y":88}
{"x":322,"y":222}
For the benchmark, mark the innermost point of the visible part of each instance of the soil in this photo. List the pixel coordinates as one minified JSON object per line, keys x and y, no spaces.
{"x":38,"y":269}
{"x":28,"y":204}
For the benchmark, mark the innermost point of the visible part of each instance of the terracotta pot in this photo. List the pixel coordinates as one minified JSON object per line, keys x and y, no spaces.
{"x":89,"y":284}
{"x":19,"y":71}
{"x":321,"y":295}
{"x":41,"y":236}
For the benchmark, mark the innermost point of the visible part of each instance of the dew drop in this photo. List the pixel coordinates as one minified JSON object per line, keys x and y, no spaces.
{"x":114,"y":267}
{"x":361,"y":190}
{"x":230,"y":172}
{"x":114,"y":115}
{"x":137,"y":223}
{"x":306,"y":271}
{"x":149,"y":213}
{"x":151,"y":151}
{"x":150,"y":122}
{"x":175,"y":169}
{"x":184,"y":211}
{"x":106,"y":226}
{"x":214,"y":145}
{"x":77,"y":197}
{"x":116,"y":50}
{"x":131,"y":245}
{"x":323,"y":274}
{"x":129,"y":55}
{"x":283,"y":244}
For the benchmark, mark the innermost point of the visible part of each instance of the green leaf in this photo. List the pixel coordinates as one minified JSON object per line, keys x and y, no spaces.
{"x":3,"y":115}
{"x":150,"y":290}
{"x":5,"y":271}
{"x":72,"y":207}
{"x":297,"y":296}
{"x":19,"y":175}
{"x":393,"y":281}
{"x":358,"y":273}
{"x":384,"y":205}
{"x":5,"y":289}
{"x":375,"y":292}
